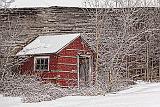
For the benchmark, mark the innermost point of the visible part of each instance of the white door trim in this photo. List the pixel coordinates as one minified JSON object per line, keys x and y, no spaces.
{"x":90,"y":68}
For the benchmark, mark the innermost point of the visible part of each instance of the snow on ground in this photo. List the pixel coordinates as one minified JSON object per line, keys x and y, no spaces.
{"x":140,"y":95}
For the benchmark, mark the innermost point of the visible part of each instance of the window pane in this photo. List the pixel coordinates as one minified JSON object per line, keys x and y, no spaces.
{"x":46,"y":61}
{"x":42,"y":61}
{"x":46,"y":67}
{"x":42,"y":67}
{"x":41,"y":64}
{"x":38,"y":61}
{"x":38,"y":66}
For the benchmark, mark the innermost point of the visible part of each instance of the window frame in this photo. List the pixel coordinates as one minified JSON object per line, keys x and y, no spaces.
{"x":41,"y":57}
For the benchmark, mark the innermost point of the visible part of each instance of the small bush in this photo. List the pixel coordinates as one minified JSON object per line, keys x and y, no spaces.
{"x":30,"y":90}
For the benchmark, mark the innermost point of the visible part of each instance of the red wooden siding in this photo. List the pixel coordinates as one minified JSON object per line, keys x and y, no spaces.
{"x":67,"y":60}
{"x":53,"y":62}
{"x":27,"y":66}
{"x":62,"y":65}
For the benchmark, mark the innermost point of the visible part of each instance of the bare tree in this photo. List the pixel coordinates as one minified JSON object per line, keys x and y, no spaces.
{"x":10,"y":38}
{"x":122,"y":38}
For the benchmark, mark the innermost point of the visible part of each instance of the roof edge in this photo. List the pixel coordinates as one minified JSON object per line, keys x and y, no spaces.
{"x":69,"y":42}
{"x":17,"y":54}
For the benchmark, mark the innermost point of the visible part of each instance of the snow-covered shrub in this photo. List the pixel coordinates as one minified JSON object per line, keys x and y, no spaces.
{"x":29,"y":89}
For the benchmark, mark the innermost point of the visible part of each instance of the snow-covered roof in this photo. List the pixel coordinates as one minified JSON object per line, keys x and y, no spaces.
{"x":76,"y":3}
{"x":45,"y":3}
{"x":48,"y":44}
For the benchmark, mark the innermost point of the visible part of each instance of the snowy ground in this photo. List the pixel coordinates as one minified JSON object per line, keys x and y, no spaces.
{"x":140,"y":95}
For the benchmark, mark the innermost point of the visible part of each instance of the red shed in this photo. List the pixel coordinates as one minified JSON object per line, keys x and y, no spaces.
{"x":65,"y":60}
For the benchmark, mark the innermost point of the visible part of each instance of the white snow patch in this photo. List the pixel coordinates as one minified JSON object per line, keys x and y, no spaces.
{"x":140,"y":95}
{"x":46,"y":3}
{"x":48,"y":44}
{"x":75,"y":3}
{"x":9,"y":101}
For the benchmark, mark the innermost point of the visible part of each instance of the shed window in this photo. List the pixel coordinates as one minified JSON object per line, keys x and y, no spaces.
{"x":42,"y":63}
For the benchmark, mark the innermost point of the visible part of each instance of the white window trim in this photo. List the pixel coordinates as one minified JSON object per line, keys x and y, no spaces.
{"x":37,"y":57}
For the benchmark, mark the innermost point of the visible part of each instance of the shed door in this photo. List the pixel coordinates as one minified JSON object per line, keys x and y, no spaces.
{"x":84,"y":70}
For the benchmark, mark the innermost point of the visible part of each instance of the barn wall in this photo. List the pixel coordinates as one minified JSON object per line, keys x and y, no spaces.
{"x":67,"y":61}
{"x":27,"y":66}
{"x":40,"y":21}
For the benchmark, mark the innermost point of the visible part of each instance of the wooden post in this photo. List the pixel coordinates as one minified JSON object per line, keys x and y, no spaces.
{"x":90,"y":71}
{"x":78,"y":79}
